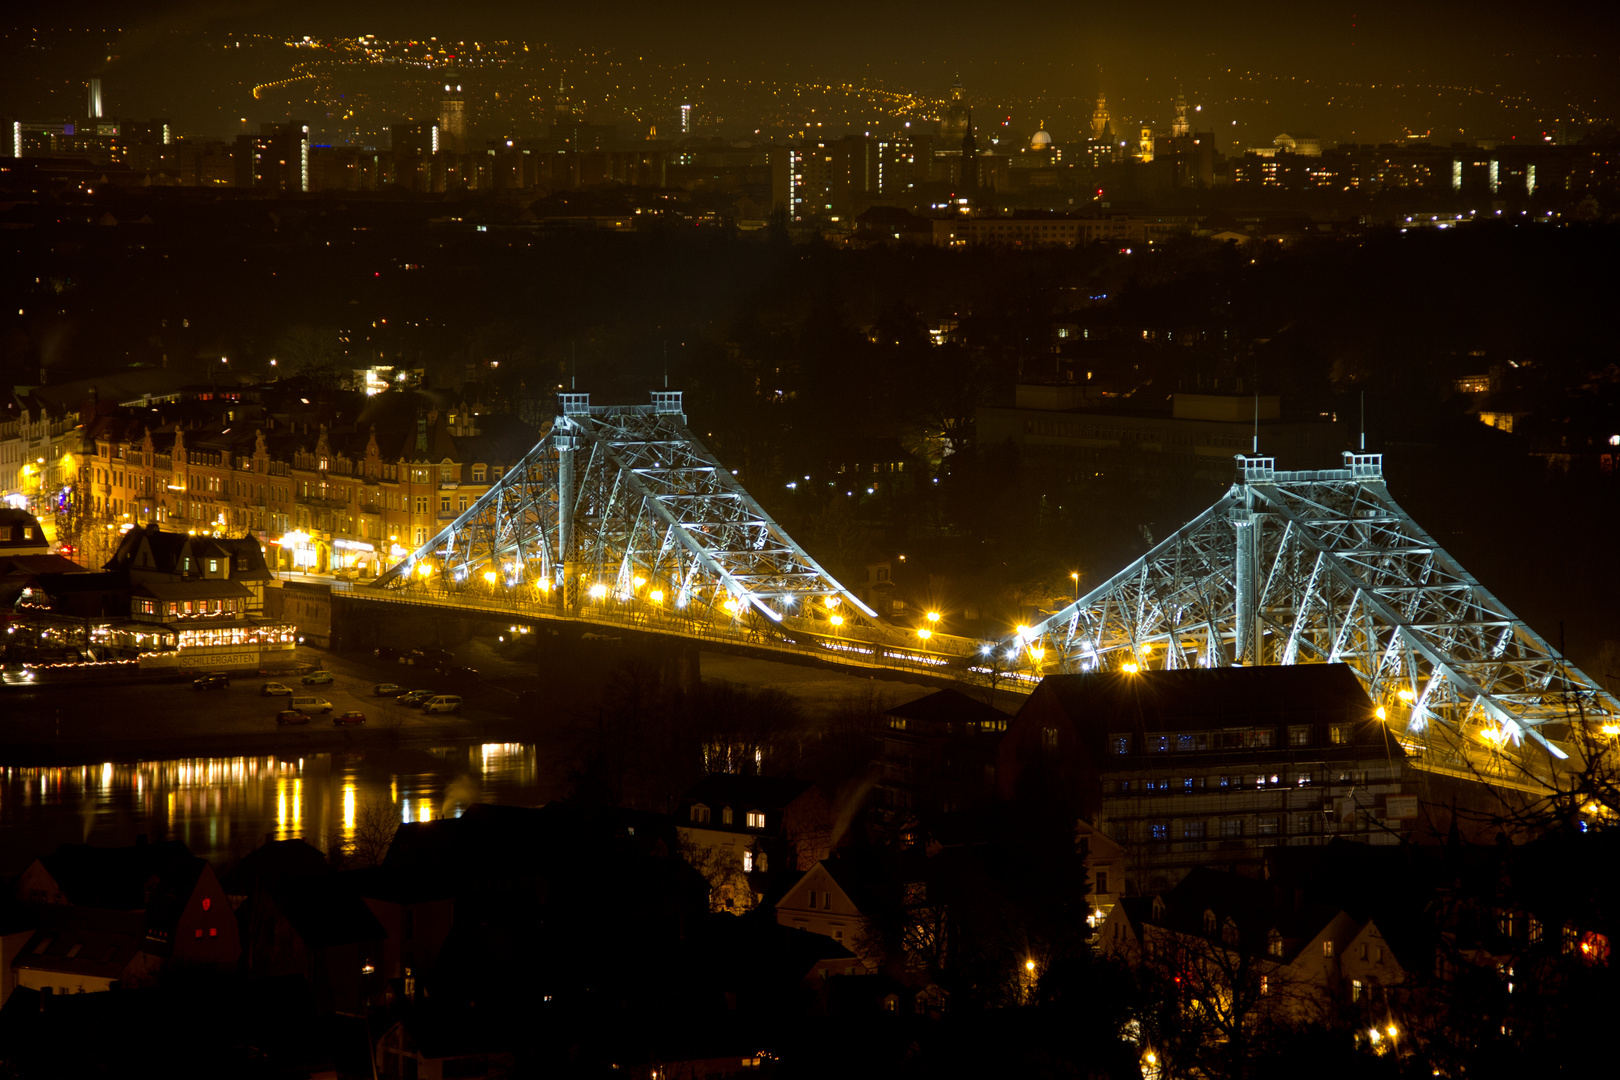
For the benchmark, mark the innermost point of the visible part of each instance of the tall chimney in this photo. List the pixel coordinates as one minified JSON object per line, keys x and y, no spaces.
{"x":95,"y":99}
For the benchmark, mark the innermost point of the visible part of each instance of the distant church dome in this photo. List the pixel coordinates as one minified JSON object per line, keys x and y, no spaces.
{"x":1040,"y":140}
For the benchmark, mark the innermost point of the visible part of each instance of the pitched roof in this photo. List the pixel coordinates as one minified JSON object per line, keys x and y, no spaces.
{"x":1201,"y":698}
{"x":120,"y":878}
{"x":85,"y":942}
{"x":206,"y":589}
{"x":326,"y":912}
{"x":948,"y":706}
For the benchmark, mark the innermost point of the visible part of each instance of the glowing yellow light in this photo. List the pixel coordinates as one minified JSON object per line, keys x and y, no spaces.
{"x":1375,"y":1035}
{"x":924,"y":633}
{"x":1381,"y":714}
{"x":933,"y":616}
{"x":489,"y":576}
{"x":1131,"y":668}
{"x":598,"y":591}
{"x":1029,"y":965}
{"x":1392,"y":1031}
{"x":1037,"y":655}
{"x":640,"y":581}
{"x":656,"y":596}
{"x":1611,"y":729}
{"x":731,"y":606}
{"x":831,"y":602}
{"x":1406,"y":695}
{"x":1023,"y":631}
{"x":348,"y":806}
{"x":423,"y":569}
{"x":837,"y":620}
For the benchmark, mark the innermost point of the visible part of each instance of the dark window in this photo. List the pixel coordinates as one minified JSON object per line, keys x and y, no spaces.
{"x":1101,"y":885}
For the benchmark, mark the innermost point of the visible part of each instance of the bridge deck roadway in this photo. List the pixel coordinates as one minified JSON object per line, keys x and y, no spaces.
{"x":851,"y":650}
{"x":1471,"y":763}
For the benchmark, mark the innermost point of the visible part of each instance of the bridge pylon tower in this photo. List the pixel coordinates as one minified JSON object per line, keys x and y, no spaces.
{"x":621,"y":512}
{"x":1323,"y":566}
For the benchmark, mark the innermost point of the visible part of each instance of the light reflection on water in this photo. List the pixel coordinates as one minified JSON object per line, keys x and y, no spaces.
{"x":224,"y":807}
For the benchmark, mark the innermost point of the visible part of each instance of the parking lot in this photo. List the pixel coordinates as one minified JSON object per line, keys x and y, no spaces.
{"x":65,"y":714}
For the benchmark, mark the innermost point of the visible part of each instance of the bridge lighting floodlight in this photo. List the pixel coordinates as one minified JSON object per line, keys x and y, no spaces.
{"x":831,"y":602}
{"x":1380,"y":713}
{"x":423,"y":569}
{"x":640,"y":581}
{"x":490,"y":576}
{"x":1406,"y":695}
{"x":987,"y":650}
{"x":1037,"y":655}
{"x":656,"y":596}
{"x":924,"y":633}
{"x":1131,"y":668}
{"x":598,"y":591}
{"x":1611,"y":729}
{"x":837,"y":620}
{"x":730,"y":605}
{"x":933,"y":616}
{"x":1023,"y":631}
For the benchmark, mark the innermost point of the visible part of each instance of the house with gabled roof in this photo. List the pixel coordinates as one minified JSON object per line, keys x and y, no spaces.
{"x":741,"y":831}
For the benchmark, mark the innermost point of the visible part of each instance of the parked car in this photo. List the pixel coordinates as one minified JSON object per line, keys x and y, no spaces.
{"x":433,"y":658}
{"x":311,"y":704}
{"x":387,"y":689}
{"x":442,"y":703}
{"x":317,"y":678}
{"x":386,"y":653}
{"x":416,"y":698}
{"x":291,"y":716}
{"x":274,"y":689}
{"x":211,"y":680}
{"x":353,"y":716}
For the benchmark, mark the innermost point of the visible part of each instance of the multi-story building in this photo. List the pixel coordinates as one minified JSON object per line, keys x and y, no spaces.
{"x":1201,"y":766}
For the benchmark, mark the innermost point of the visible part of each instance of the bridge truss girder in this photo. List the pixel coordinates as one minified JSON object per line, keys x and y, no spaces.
{"x":1324,"y":566}
{"x":624,"y":505}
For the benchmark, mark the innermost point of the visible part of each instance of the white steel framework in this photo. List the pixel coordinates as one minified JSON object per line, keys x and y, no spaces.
{"x":622,"y":505}
{"x":1323,"y":566}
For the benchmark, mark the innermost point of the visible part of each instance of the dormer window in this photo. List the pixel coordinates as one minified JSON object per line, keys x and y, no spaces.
{"x":756,"y":819}
{"x":478,"y":474}
{"x":213,"y":566}
{"x":725,"y":815}
{"x":1274,"y":943}
{"x":1209,"y":923}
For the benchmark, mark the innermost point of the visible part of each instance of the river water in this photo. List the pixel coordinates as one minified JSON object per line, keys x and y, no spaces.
{"x":224,"y":807}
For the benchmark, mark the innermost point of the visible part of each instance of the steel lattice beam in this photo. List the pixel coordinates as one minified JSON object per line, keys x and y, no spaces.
{"x":622,"y":504}
{"x":1324,"y":566}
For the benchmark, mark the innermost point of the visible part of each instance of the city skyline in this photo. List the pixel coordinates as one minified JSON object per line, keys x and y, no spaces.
{"x":1313,"y":77}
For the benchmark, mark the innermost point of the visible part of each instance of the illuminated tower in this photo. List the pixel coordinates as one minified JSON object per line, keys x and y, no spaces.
{"x":453,"y":115}
{"x":1099,"y":118}
{"x":95,"y":99}
{"x":1179,"y":127}
{"x":957,"y":120}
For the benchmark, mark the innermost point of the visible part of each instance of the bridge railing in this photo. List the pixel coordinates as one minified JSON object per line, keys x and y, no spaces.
{"x":951,"y":657}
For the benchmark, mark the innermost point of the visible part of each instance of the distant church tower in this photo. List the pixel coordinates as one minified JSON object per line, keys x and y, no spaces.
{"x":1099,"y":118}
{"x":453,"y":114}
{"x":1179,"y":127}
{"x":958,"y":119}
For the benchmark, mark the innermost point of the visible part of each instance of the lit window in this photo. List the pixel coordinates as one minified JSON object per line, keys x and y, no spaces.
{"x":725,"y":815}
{"x":756,"y":819}
{"x":1327,"y":948}
{"x":748,"y":862}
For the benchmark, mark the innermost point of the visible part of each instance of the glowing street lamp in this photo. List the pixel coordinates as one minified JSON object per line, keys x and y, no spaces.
{"x":924,"y":633}
{"x":490,"y":576}
{"x":933,"y":616}
{"x":1130,"y":667}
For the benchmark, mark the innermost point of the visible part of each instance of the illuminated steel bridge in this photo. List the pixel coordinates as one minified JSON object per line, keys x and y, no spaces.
{"x":621,"y":516}
{"x":1323,"y":567}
